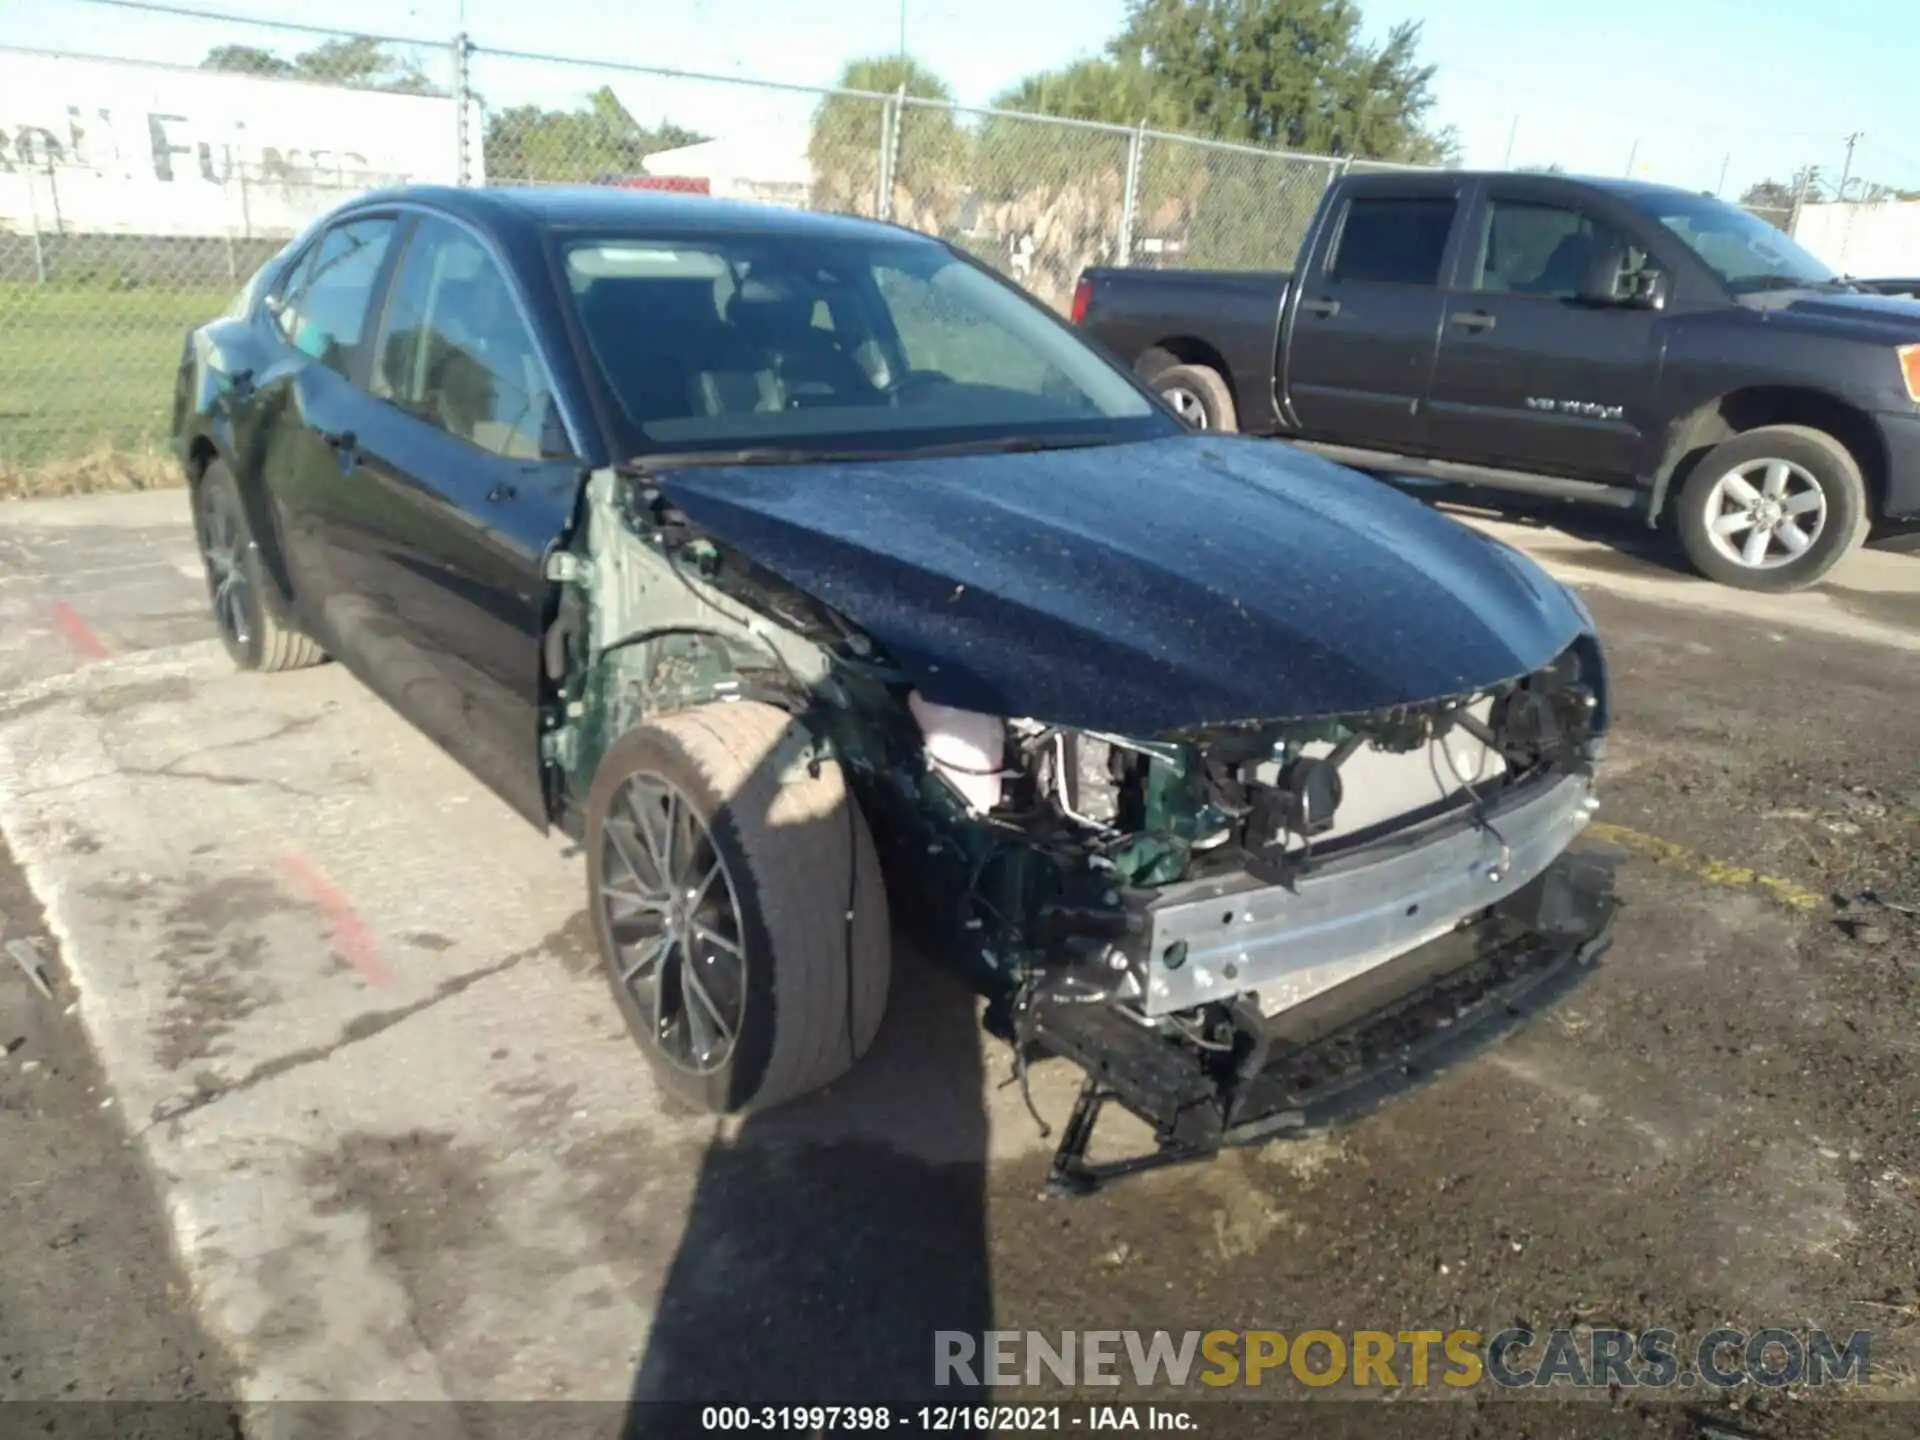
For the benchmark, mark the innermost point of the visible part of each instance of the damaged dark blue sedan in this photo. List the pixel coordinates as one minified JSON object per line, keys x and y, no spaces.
{"x":816,"y":579}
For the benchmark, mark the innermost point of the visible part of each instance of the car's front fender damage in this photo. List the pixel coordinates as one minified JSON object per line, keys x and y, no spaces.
{"x":1235,"y":930}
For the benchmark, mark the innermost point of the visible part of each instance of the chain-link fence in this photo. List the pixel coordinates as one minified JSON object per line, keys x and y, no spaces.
{"x":1223,"y":207}
{"x":136,"y":198}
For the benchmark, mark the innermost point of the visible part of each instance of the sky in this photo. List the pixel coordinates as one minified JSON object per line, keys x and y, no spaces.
{"x":1710,"y":94}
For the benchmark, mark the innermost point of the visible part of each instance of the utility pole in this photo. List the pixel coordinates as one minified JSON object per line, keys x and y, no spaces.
{"x":903,"y":32}
{"x":1801,"y":193}
{"x":1512,"y":131}
{"x":1633,"y":155}
{"x":1720,"y":188}
{"x":1846,"y":170}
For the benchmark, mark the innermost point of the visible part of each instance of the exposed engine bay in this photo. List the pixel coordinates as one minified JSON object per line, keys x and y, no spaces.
{"x":1201,"y":891}
{"x":1226,"y":926}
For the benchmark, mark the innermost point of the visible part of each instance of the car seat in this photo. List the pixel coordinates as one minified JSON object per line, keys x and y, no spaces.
{"x":1567,"y":266}
{"x":776,"y":358}
{"x":643,"y":330}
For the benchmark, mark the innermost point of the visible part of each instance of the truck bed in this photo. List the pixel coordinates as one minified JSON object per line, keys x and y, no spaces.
{"x":1228,"y":320}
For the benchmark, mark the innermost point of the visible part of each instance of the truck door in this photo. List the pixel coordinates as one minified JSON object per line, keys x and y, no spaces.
{"x":1531,"y":377}
{"x":1358,"y":350}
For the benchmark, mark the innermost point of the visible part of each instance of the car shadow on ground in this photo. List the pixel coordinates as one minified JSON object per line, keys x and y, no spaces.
{"x":1633,"y":546}
{"x":830,"y":1239}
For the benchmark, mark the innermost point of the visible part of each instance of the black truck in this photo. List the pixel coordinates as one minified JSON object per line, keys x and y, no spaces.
{"x":1606,"y":340}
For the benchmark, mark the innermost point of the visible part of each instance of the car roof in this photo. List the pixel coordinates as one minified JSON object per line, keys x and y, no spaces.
{"x":534,"y":208}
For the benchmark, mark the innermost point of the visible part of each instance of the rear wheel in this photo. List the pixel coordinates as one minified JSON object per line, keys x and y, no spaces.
{"x":1198,"y":395}
{"x":1773,"y":509}
{"x":250,"y":624}
{"x":739,"y":907}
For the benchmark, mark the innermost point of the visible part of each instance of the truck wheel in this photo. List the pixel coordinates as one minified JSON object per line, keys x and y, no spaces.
{"x":739,"y":907}
{"x":1198,"y":396}
{"x":257,"y":637}
{"x":1773,"y":509}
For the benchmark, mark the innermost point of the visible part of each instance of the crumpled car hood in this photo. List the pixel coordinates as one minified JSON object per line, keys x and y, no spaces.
{"x":1144,"y":587}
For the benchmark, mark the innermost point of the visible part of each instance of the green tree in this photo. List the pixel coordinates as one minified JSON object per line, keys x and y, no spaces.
{"x":596,"y":139}
{"x":1014,"y":157}
{"x":357,"y":60}
{"x":1291,"y":74}
{"x":1872,"y":191}
{"x":843,"y":145}
{"x":1047,"y":197}
{"x":246,"y":59}
{"x":1117,"y":92}
{"x":1772,"y":195}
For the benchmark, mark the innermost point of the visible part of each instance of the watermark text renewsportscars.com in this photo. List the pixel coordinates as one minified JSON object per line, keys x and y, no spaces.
{"x":1513,"y":1358}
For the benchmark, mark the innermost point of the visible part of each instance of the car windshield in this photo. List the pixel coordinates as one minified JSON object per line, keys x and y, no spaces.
{"x":782,"y":348}
{"x":1742,"y":249}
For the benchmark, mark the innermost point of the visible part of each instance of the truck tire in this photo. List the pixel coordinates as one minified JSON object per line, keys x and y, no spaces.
{"x":738,"y":903}
{"x":1198,"y":395}
{"x":256,"y":635}
{"x":1773,"y":509}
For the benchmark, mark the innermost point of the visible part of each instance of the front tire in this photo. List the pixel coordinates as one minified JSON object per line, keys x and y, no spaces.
{"x":1773,"y":509}
{"x":1198,"y":395}
{"x":737,"y":899}
{"x":251,"y":627}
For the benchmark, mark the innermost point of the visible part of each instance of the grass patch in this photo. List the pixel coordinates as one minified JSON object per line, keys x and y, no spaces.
{"x":86,"y":385}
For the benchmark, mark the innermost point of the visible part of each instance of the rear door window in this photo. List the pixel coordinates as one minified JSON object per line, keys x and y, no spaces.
{"x":1397,"y":240}
{"x":322,"y":308}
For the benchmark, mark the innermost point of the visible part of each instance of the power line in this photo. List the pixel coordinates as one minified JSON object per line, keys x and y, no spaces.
{"x":151,"y":7}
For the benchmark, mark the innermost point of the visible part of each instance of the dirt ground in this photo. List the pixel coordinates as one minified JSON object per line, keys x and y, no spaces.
{"x":93,"y":1304}
{"x":1718,"y":1128}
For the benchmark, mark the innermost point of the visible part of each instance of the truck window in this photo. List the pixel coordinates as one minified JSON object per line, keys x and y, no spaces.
{"x":1742,"y":249}
{"x":1527,"y":248}
{"x":1396,"y":240}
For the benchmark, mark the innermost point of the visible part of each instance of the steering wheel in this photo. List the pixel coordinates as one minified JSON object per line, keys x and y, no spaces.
{"x":915,"y":385}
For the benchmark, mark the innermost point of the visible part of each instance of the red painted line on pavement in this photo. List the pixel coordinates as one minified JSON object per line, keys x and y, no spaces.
{"x":353,"y":942}
{"x":78,"y":633}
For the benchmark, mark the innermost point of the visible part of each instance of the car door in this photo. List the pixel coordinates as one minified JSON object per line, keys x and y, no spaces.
{"x":1359,"y":348}
{"x":1530,"y":376}
{"x":307,"y":401}
{"x":464,"y":475}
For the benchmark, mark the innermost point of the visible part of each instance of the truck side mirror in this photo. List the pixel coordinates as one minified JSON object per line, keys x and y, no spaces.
{"x":1600,"y":285}
{"x":1652,"y":289}
{"x":1605,"y":283}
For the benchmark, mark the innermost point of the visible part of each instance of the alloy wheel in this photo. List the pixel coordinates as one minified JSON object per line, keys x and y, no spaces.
{"x":1187,"y":405}
{"x":1765,"y":513}
{"x":675,"y":922}
{"x":222,"y":543}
